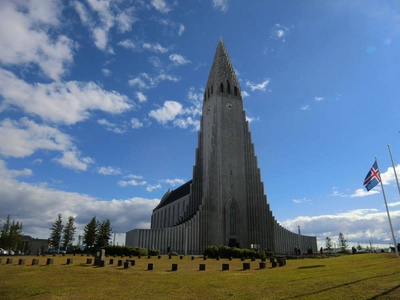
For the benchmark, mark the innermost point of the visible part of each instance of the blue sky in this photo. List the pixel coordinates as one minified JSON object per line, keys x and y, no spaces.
{"x":100,"y":104}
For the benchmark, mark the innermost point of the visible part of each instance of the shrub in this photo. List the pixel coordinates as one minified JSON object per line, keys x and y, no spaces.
{"x":126,"y":250}
{"x":225,"y":252}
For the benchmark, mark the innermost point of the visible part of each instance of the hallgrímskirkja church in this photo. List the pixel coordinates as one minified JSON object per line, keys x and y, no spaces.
{"x":224,"y":203}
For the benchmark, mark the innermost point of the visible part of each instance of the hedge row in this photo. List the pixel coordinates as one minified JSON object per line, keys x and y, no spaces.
{"x":127,"y":250}
{"x":225,"y":252}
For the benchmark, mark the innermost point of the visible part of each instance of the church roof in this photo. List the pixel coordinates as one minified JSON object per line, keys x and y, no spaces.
{"x":176,"y":194}
{"x":222,"y":69}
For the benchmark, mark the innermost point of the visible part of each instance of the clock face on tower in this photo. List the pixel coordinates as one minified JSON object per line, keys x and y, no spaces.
{"x":229,"y":106}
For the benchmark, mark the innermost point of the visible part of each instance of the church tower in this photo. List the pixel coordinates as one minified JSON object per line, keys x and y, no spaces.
{"x":224,"y":203}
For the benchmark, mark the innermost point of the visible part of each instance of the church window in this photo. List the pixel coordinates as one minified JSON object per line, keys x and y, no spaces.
{"x":235,"y":90}
{"x":204,"y":97}
{"x":228,"y":87}
{"x":232,"y":220}
{"x":231,"y":172}
{"x":221,"y":88}
{"x":211,"y":89}
{"x":208,"y":92}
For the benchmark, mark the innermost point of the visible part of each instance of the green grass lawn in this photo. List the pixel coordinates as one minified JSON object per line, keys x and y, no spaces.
{"x":361,"y":276}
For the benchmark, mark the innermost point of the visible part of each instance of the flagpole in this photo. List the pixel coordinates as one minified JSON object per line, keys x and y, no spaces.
{"x":387,"y":210}
{"x":394,"y":169}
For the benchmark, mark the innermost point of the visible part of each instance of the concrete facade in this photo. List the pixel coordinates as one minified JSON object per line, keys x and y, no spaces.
{"x":225,"y":202}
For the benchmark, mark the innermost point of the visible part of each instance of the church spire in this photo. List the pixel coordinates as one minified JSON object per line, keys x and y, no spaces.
{"x":222,"y":77}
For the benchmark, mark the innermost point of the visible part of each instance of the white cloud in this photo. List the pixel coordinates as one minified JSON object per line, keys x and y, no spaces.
{"x":140,"y":46}
{"x":174,"y":182}
{"x":112,"y":127}
{"x":221,"y":4}
{"x":24,"y":137}
{"x":155,"y":47}
{"x":161,"y":6}
{"x":109,"y":171}
{"x":23,"y":198}
{"x":304,"y":107}
{"x":362,"y":193}
{"x":188,"y":122}
{"x":132,"y":182}
{"x":357,"y":226}
{"x":59,"y":102}
{"x":135,"y":123}
{"x":304,"y":200}
{"x":181,"y":29}
{"x":151,"y":188}
{"x":178,"y":59}
{"x":144,"y":81}
{"x":141,"y":97}
{"x":72,"y":160}
{"x":26,"y":38}
{"x":245,"y":94}
{"x":279,"y":32}
{"x":134,"y":176}
{"x":106,"y":72}
{"x":258,"y":86}
{"x":168,"y":112}
{"x":319,"y":98}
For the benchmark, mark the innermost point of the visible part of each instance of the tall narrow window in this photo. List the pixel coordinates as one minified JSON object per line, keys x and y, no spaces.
{"x":228,"y":87}
{"x":232,"y":220}
{"x":204,"y":97}
{"x":208,"y":92}
{"x":221,"y":88}
{"x":211,"y":89}
{"x":235,"y":90}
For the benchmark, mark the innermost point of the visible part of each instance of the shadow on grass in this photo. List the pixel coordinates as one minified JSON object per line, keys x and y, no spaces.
{"x":386,"y":293}
{"x":309,"y":267}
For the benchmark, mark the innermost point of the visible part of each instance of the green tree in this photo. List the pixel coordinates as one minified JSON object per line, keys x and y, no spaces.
{"x":90,"y":233}
{"x":11,"y":234}
{"x":342,"y":242}
{"x":69,"y":232}
{"x":56,"y":233}
{"x":359,"y":247}
{"x":4,"y":235}
{"x":328,"y":243}
{"x":104,"y":234}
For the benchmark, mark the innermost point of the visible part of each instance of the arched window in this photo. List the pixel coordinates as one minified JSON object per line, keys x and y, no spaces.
{"x":228,"y":87}
{"x":235,"y":90}
{"x":208,"y":92}
{"x":211,"y":89}
{"x":221,"y":88}
{"x":232,"y":220}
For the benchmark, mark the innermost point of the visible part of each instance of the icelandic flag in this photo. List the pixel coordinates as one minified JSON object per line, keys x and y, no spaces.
{"x":373,"y":177}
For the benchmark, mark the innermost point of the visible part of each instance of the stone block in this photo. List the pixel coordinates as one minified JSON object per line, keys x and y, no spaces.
{"x":253,"y":259}
{"x":159,"y":257}
{"x":225,"y":267}
{"x":202,"y":267}
{"x":70,"y":261}
{"x":181,"y":257}
{"x":230,"y":258}
{"x":119,"y":262}
{"x":111,"y":261}
{"x":263,"y":265}
{"x":127,"y":265}
{"x":174,"y":267}
{"x":242,"y":258}
{"x":89,"y":261}
{"x":150,"y":267}
{"x":192,"y":257}
{"x":21,"y":262}
{"x":50,"y":261}
{"x":218,"y":258}
{"x":274,"y":264}
{"x":103,"y":263}
{"x":9,"y":261}
{"x":246,"y":266}
{"x":271,"y":260}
